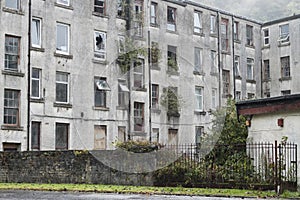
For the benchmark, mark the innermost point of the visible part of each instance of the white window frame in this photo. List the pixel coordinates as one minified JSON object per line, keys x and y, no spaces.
{"x":12,"y":103}
{"x":139,"y":116}
{"x":153,"y":13}
{"x":213,"y":22}
{"x":63,"y":2}
{"x":198,"y":59}
{"x":284,"y":37}
{"x":236,"y":30}
{"x":198,"y":22}
{"x":67,"y":38}
{"x":36,"y":79}
{"x":12,"y":43}
{"x":171,"y":25}
{"x":38,"y":30}
{"x":123,"y":93}
{"x":250,"y":70}
{"x":199,"y":93}
{"x":266,"y":37}
{"x":16,"y":6}
{"x":285,"y":64}
{"x":65,"y":83}
{"x":155,"y":96}
{"x":101,"y":88}
{"x":100,"y":49}
{"x":249,"y":35}
{"x":139,"y":71}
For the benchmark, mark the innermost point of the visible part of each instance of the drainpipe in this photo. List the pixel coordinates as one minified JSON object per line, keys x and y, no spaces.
{"x":233,"y":58}
{"x":28,"y":75}
{"x":219,"y":59}
{"x":150,"y":87}
{"x":128,"y":25}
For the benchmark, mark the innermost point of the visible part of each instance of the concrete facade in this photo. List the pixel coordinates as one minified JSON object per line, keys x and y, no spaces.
{"x":74,"y":64}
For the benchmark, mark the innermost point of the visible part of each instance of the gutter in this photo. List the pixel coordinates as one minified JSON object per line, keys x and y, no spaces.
{"x":28,"y":75}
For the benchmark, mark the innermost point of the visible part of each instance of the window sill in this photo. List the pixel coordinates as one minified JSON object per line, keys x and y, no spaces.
{"x":122,"y":107}
{"x":154,"y":25}
{"x":199,"y":112}
{"x":11,"y":127}
{"x":285,"y":78}
{"x":121,"y":17}
{"x":139,"y":89}
{"x":199,"y":73}
{"x":214,"y":73}
{"x":100,"y":14}
{"x":251,"y":81}
{"x":64,"y":6}
{"x":40,"y":100}
{"x":63,"y":55}
{"x":100,"y":108}
{"x":172,"y":32}
{"x":267,"y":80}
{"x":266,"y":47}
{"x":250,"y":46}
{"x":98,"y":61}
{"x":238,"y":77}
{"x":237,"y":41}
{"x":226,"y":95}
{"x":173,"y":73}
{"x":199,"y":34}
{"x":39,"y":49}
{"x":138,"y":133}
{"x":13,"y":73}
{"x":226,"y":52}
{"x":139,"y":37}
{"x":283,"y":44}
{"x":155,"y":67}
{"x":13,"y":11}
{"x":215,"y":35}
{"x":155,"y":110}
{"x":62,"y":105}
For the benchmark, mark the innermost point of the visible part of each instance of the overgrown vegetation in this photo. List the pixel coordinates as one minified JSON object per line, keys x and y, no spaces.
{"x":171,"y":102}
{"x":138,"y":146}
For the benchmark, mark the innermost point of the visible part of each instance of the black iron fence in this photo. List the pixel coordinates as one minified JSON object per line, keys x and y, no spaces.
{"x":252,"y":165}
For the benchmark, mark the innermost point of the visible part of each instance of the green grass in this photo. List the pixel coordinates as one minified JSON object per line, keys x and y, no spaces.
{"x":145,"y":190}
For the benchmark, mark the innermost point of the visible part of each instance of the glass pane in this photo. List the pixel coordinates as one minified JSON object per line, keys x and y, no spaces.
{"x":35,"y":32}
{"x":62,"y":38}
{"x":61,"y":92}
{"x":14,"y":4}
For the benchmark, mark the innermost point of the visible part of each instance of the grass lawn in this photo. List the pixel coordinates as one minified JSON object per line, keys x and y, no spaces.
{"x":146,"y":190}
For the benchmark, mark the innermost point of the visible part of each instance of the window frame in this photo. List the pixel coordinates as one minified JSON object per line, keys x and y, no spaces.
{"x":123,"y":92}
{"x":214,"y":97}
{"x":284,"y":37}
{"x":17,"y":7}
{"x":37,"y":137}
{"x":198,"y":59}
{"x":120,"y":8}
{"x":285,"y":64}
{"x":249,"y":35}
{"x":36,"y":79}
{"x":266,"y":71}
{"x":66,"y":136}
{"x":100,"y":94}
{"x":61,"y":2}
{"x":67,"y":83}
{"x":172,"y":55}
{"x":250,"y":69}
{"x":213,"y":60}
{"x":139,"y":74}
{"x":100,"y":52}
{"x":199,"y":130}
{"x":96,"y":7}
{"x":266,"y":37}
{"x":237,"y":66}
{"x":226,"y":82}
{"x":153,"y":14}
{"x":224,"y":34}
{"x":213,"y":24}
{"x":171,"y":20}
{"x":60,"y":51}
{"x":236,"y":31}
{"x":8,"y":62}
{"x":14,"y":100}
{"x":38,"y":32}
{"x":155,"y":96}
{"x":199,"y":97}
{"x":139,"y":120}
{"x":198,"y":28}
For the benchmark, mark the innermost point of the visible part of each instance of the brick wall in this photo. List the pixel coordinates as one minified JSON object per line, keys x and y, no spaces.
{"x":63,"y":167}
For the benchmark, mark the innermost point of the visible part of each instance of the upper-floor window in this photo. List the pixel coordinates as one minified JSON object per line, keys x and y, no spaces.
{"x":12,"y":53}
{"x":64,"y":2}
{"x":138,"y":10}
{"x":285,"y":67}
{"x":199,"y":98}
{"x":153,"y":13}
{"x":236,"y":65}
{"x":213,"y":23}
{"x":62,"y":38}
{"x":123,"y":93}
{"x":224,"y":35}
{"x":138,"y":73}
{"x":226,"y":82}
{"x":100,"y":45}
{"x":197,"y":22}
{"x":213,"y":60}
{"x":266,"y":37}
{"x":36,"y":32}
{"x":249,"y":35}
{"x":99,"y":7}
{"x":172,"y":59}
{"x":155,"y":96}
{"x":101,"y":87}
{"x":36,"y":83}
{"x":171,"y":19}
{"x":198,"y":59}
{"x":62,"y":87}
{"x":250,"y":65}
{"x":138,"y":116}
{"x":284,"y":33}
{"x":13,"y":4}
{"x":11,"y":107}
{"x":266,"y":70}
{"x":236,"y":31}
{"x":121,"y":8}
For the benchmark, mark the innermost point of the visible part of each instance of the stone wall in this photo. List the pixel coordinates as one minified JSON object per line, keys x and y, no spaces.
{"x":63,"y":167}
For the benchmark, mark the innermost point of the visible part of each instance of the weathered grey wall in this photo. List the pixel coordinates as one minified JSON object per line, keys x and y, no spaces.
{"x":63,"y":167}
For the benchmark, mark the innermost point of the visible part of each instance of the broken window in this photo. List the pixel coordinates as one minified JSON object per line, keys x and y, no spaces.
{"x":121,"y":8}
{"x":224,"y":35}
{"x":266,"y":37}
{"x":236,"y":66}
{"x":36,"y":83}
{"x":62,"y":38}
{"x":12,"y":53}
{"x":11,"y":107}
{"x":173,"y":137}
{"x":197,"y":22}
{"x":61,"y":136}
{"x":138,"y":18}
{"x":285,"y":66}
{"x":64,"y":2}
{"x":199,"y":98}
{"x":62,"y":87}
{"x":35,"y":135}
{"x":100,"y":45}
{"x":101,"y":87}
{"x":226,"y":82}
{"x":198,"y":59}
{"x":153,"y":13}
{"x":13,"y":4}
{"x":250,"y":65}
{"x":138,"y":116}
{"x":236,"y":31}
{"x":249,"y":35}
{"x":36,"y":32}
{"x":138,"y":73}
{"x":171,"y":19}
{"x":99,"y":7}
{"x":284,"y":33}
{"x":155,"y":96}
{"x":172,"y":59}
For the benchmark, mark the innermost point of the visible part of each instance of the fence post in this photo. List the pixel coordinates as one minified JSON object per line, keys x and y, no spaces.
{"x":276,"y":168}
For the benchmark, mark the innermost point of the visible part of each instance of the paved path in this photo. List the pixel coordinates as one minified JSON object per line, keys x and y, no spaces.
{"x":37,"y":195}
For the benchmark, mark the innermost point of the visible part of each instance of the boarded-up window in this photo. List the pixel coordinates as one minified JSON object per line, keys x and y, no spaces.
{"x":100,"y":137}
{"x":173,"y":136}
{"x":121,"y":133}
